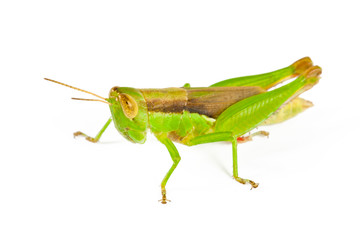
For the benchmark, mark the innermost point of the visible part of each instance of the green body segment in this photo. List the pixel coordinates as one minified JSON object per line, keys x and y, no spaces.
{"x":180,"y":127}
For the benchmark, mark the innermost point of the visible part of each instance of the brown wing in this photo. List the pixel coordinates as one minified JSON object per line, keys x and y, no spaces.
{"x":212,"y":101}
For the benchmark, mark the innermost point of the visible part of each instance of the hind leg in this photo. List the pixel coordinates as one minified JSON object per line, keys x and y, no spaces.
{"x":268,"y":80}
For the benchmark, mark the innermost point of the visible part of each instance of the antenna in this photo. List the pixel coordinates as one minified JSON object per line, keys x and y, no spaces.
{"x":81,"y":90}
{"x":85,"y":99}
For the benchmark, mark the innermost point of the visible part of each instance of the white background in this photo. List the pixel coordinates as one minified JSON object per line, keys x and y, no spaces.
{"x":55,"y":187}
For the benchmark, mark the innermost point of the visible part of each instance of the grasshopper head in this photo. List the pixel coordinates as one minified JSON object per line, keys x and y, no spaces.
{"x":129,"y":113}
{"x":128,"y":109}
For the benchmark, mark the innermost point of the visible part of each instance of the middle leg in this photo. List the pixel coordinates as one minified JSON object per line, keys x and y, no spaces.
{"x":175,"y":156}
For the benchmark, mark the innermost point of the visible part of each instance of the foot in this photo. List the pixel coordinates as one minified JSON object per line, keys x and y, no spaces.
{"x":247,"y":181}
{"x":244,"y":139}
{"x":164,"y":200}
{"x":90,"y":139}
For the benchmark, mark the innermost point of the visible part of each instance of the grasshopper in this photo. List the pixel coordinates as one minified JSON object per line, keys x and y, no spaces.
{"x":225,"y":111}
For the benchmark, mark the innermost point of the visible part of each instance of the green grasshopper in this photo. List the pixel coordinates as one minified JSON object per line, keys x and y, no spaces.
{"x":225,"y":111}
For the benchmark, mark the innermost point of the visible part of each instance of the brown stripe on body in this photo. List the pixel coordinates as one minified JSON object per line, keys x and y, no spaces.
{"x":211,"y":101}
{"x":165,"y":99}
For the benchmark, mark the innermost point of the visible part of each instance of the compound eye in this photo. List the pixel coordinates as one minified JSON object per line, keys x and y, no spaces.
{"x":129,"y":105}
